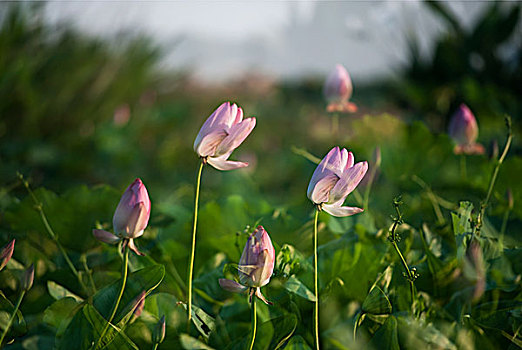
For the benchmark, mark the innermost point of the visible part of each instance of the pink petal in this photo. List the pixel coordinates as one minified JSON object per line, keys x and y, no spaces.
{"x":231,"y":286}
{"x":325,"y":168}
{"x":339,"y":211}
{"x":338,"y":86}
{"x":236,"y":135}
{"x":348,"y":182}
{"x":321,"y":192}
{"x":221,"y":163}
{"x":262,"y":297}
{"x":133,"y":247}
{"x":208,"y":144}
{"x":105,"y":237}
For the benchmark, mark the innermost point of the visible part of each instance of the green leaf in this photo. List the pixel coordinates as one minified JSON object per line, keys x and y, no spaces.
{"x":284,"y":328}
{"x":462,"y":226}
{"x":294,"y":285}
{"x":377,"y":302}
{"x":58,"y":292}
{"x":297,"y":343}
{"x":190,"y":343}
{"x":203,"y":321}
{"x":18,"y":327}
{"x":78,"y":335}
{"x":145,"y":279}
{"x":60,"y":313}
{"x":386,"y":338}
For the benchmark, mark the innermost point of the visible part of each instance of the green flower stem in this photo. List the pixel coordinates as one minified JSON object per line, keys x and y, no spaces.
{"x":191,"y":267}
{"x":316,"y":289}
{"x":155,"y":346}
{"x":494,"y":175}
{"x":117,"y":303}
{"x":17,"y":306}
{"x":504,"y":224}
{"x":408,"y":271}
{"x":39,"y":208}
{"x":254,"y":320}
{"x":88,"y":271}
{"x":357,"y":321}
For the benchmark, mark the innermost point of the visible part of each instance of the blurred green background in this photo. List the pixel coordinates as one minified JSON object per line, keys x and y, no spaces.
{"x":81,"y":117}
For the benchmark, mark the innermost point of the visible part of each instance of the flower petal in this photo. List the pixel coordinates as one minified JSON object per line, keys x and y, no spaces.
{"x":210,"y":142}
{"x":321,"y":191}
{"x":105,"y":236}
{"x":231,"y":286}
{"x":347,"y":183}
{"x":262,"y":297}
{"x":236,"y":135}
{"x":339,"y":211}
{"x":325,"y":168}
{"x":221,"y":163}
{"x":133,"y":247}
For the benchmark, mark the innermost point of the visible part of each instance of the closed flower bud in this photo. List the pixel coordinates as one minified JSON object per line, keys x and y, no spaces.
{"x":338,"y":89}
{"x":133,"y":212}
{"x":463,"y":129}
{"x":139,"y":304}
{"x":221,"y":134}
{"x":334,"y":179}
{"x":159,"y":331}
{"x":257,"y":261}
{"x":27,"y":278}
{"x":6,"y":254}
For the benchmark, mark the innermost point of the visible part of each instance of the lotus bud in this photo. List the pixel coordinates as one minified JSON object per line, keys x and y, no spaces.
{"x":27,"y":278}
{"x":6,"y":254}
{"x":133,"y":212}
{"x":337,"y":90}
{"x":257,"y":261}
{"x":159,"y":331}
{"x":139,"y":304}
{"x":463,"y":129}
{"x":334,"y":179}
{"x":221,"y":134}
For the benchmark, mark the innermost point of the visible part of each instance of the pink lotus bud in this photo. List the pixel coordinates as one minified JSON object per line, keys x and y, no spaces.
{"x":133,"y":212}
{"x":334,"y":179}
{"x":27,"y":279}
{"x":463,"y":129}
{"x":257,"y":261}
{"x":338,"y":90}
{"x":6,"y":254}
{"x":139,"y":304}
{"x":221,"y":134}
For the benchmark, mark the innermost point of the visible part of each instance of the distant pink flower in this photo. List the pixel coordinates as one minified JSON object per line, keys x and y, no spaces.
{"x":221,"y":134}
{"x":334,"y":179}
{"x":130,"y":218}
{"x":6,"y":253}
{"x":463,"y":129}
{"x":255,"y":266}
{"x":338,"y":90}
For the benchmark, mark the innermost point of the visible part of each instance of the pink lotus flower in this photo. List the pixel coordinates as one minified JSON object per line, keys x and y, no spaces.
{"x":130,"y":218}
{"x":6,"y":254}
{"x":338,"y":90}
{"x":255,"y":266}
{"x":463,"y":130}
{"x":334,"y":179}
{"x":221,"y":134}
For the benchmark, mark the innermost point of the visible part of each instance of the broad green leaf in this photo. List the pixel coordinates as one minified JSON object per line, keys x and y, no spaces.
{"x":377,"y":302}
{"x":294,"y":285}
{"x":190,"y":343}
{"x":297,"y":343}
{"x":386,"y":338}
{"x":78,"y":335}
{"x":284,"y":328}
{"x":462,"y":226}
{"x":58,"y":292}
{"x":203,"y":321}
{"x":60,"y":313}
{"x":145,"y":279}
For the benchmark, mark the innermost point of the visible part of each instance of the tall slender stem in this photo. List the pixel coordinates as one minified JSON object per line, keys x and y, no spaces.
{"x":254,"y":320}
{"x":155,"y":346}
{"x":39,"y":208}
{"x":316,"y":289}
{"x":504,"y":224}
{"x":191,"y":266}
{"x":13,"y":315}
{"x":408,"y":271}
{"x":124,"y":272}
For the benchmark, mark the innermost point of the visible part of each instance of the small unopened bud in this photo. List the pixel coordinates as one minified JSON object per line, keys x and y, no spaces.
{"x":6,"y":254}
{"x":27,"y":278}
{"x":509,"y":197}
{"x":159,"y":331}
{"x":139,"y":304}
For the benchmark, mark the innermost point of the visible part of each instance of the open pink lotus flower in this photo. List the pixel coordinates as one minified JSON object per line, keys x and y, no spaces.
{"x":130,"y":218}
{"x":255,"y":266}
{"x":463,"y":129}
{"x":334,"y":179}
{"x":221,"y":134}
{"x":337,"y":90}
